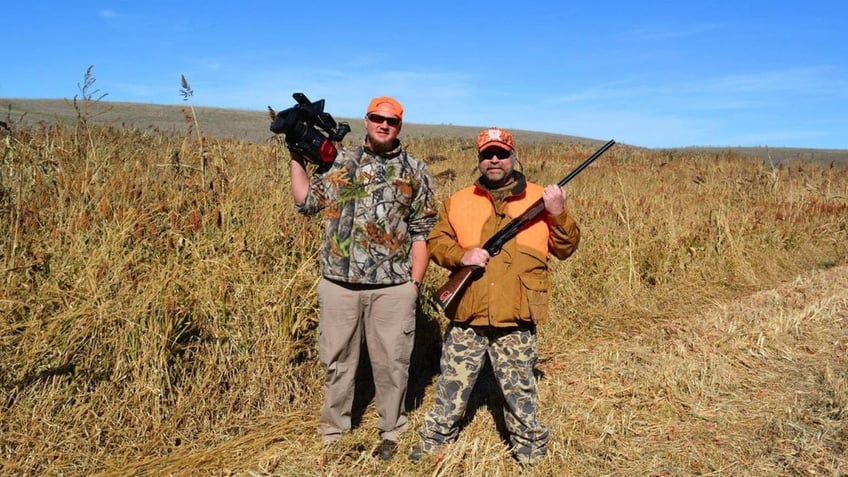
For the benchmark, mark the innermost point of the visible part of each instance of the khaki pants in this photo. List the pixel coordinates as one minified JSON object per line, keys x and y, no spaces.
{"x":384,"y":318}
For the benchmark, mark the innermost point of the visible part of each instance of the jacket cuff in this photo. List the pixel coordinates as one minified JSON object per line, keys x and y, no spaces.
{"x":563,"y":218}
{"x":456,"y":260}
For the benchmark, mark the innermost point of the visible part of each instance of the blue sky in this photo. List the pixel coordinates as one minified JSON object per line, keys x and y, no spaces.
{"x":647,"y":73}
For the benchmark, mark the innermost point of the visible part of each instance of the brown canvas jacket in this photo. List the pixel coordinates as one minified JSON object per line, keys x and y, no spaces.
{"x":514,"y":289}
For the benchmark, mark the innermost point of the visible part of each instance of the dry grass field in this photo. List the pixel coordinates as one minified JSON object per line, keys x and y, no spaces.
{"x":157,"y":310}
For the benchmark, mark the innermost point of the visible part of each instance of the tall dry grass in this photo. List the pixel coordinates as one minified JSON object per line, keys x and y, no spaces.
{"x":158,"y":314}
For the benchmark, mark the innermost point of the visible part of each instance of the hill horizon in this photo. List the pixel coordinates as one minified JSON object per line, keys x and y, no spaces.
{"x":252,"y":126}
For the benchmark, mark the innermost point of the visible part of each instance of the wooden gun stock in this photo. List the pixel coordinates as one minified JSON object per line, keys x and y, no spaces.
{"x":456,"y":284}
{"x":462,"y":277}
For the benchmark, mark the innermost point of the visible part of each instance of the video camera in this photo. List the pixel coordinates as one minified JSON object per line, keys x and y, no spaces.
{"x":303,"y":124}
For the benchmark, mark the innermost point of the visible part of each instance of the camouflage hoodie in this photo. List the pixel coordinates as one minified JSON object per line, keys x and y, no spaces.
{"x":374,"y":206}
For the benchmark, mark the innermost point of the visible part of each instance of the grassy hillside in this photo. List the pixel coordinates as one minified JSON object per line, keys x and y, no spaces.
{"x":246,"y":125}
{"x":158,"y":307}
{"x":252,"y":126}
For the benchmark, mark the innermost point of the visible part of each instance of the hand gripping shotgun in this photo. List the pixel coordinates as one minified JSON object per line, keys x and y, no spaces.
{"x":462,"y":277}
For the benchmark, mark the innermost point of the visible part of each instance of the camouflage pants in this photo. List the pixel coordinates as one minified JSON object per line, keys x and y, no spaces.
{"x":513,"y":355}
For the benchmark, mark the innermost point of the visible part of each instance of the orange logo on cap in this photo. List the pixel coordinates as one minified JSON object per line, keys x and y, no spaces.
{"x":495,"y":137}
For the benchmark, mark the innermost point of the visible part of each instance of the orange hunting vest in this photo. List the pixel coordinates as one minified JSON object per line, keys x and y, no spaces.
{"x":471,"y":208}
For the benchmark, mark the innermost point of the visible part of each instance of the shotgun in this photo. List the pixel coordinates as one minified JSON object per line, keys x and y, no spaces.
{"x":462,"y":277}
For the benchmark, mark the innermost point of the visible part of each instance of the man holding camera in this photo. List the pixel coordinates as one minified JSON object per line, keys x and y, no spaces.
{"x":378,"y":204}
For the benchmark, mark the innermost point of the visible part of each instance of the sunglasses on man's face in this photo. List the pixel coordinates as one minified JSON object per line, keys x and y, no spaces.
{"x":377,"y":119}
{"x":488,"y":154}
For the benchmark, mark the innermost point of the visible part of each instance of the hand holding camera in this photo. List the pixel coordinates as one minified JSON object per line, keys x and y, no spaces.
{"x":309,"y":130}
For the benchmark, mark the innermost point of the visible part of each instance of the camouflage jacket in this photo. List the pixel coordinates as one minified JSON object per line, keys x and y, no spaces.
{"x":374,"y":206}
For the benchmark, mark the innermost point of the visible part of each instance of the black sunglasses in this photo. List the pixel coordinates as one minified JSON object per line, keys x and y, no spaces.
{"x":488,"y":154}
{"x":377,"y":119}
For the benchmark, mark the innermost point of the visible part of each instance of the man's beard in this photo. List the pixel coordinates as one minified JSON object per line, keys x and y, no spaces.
{"x":381,"y":146}
{"x":496,"y":182}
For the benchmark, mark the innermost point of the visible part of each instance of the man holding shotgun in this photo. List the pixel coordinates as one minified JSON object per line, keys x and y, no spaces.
{"x":497,"y":314}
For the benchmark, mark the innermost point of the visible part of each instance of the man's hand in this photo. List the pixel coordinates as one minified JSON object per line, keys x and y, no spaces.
{"x":554,"y":198}
{"x":476,"y":256}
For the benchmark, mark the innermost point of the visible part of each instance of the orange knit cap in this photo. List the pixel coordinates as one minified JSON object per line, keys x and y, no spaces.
{"x":385,"y":104}
{"x":495,"y":137}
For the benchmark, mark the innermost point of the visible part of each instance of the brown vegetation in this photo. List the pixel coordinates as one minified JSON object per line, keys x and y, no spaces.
{"x":158,"y":314}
